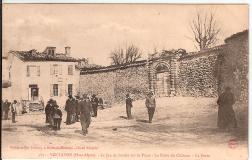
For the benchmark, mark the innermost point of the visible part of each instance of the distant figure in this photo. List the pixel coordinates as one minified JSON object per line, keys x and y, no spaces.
{"x":226,"y":114}
{"x":100,"y":103}
{"x":73,"y":112}
{"x":57,"y":116}
{"x":48,"y":109}
{"x":2,"y":109}
{"x":128,"y":106}
{"x":77,"y":106}
{"x":69,"y":109}
{"x":6,"y":108}
{"x":85,"y":113}
{"x":94,"y":101}
{"x":14,"y":111}
{"x":151,"y":105}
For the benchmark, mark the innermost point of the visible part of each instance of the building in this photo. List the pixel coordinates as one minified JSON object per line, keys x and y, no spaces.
{"x":175,"y":73}
{"x":39,"y":76}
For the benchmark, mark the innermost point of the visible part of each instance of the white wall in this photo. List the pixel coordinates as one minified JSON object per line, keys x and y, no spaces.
{"x":20,"y":81}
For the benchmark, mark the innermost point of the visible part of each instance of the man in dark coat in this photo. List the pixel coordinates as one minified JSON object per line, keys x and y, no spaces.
{"x":77,"y":108}
{"x":57,"y":116}
{"x":6,"y":107}
{"x":128,"y":106}
{"x":94,"y":101}
{"x":48,"y":110}
{"x":69,"y":109}
{"x":101,"y":103}
{"x":226,"y":114}
{"x":151,"y":105}
{"x":85,"y":113}
{"x":73,"y":111}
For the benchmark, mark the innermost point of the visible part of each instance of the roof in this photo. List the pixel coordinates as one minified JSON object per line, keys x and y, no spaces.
{"x":112,"y":67}
{"x":236,"y":35}
{"x":33,"y":55}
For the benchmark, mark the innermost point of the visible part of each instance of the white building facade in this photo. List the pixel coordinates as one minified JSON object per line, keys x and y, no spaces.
{"x":40,"y":76}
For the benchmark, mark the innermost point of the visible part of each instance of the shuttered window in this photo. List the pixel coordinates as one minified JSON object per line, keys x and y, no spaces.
{"x":28,"y":71}
{"x":60,"y":69}
{"x":55,"y":89}
{"x":32,"y":70}
{"x":38,"y":70}
{"x":51,"y":90}
{"x":70,"y":69}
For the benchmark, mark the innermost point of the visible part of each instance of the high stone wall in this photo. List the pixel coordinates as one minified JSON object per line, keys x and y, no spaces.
{"x":197,"y":74}
{"x":202,"y":74}
{"x":113,"y":85}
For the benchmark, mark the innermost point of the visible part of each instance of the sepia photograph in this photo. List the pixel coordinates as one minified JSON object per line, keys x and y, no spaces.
{"x":125,"y":81}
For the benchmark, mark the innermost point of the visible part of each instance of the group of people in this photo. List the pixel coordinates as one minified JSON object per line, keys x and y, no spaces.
{"x":226,"y":115}
{"x":73,"y":109}
{"x":7,"y":107}
{"x":150,"y":104}
{"x":53,"y":114}
{"x":77,"y":109}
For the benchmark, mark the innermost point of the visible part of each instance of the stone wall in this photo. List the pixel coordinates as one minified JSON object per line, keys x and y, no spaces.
{"x":234,"y":67}
{"x":101,"y":84}
{"x":202,"y":74}
{"x":197,"y":74}
{"x":114,"y":83}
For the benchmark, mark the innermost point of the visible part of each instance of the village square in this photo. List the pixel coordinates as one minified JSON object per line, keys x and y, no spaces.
{"x":57,"y":105}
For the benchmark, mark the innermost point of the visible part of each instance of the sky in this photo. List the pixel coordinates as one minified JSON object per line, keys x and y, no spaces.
{"x":94,"y":30}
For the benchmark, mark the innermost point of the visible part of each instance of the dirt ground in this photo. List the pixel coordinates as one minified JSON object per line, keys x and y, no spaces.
{"x":181,"y":126}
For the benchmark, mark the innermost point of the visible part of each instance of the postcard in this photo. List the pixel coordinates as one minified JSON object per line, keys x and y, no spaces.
{"x":125,"y":81}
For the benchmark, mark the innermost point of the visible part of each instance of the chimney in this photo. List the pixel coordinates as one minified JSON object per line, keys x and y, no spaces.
{"x":51,"y":51}
{"x":68,"y":51}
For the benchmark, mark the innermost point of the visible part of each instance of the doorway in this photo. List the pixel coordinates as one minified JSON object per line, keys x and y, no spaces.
{"x":34,"y":90}
{"x":162,"y":81}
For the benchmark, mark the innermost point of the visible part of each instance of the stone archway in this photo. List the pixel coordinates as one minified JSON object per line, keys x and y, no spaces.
{"x":162,"y":80}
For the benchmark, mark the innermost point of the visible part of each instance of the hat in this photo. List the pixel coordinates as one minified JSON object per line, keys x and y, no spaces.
{"x":150,"y":93}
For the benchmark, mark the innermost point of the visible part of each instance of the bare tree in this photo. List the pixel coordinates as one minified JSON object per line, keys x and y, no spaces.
{"x":130,"y":54}
{"x":205,"y":29}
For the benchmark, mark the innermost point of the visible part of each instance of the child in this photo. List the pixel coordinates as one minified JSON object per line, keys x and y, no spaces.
{"x":57,"y":116}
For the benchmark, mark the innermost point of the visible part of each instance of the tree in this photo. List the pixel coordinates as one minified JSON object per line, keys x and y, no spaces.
{"x":130,"y":54}
{"x":205,"y":29}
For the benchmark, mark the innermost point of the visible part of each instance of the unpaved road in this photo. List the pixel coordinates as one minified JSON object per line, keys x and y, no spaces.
{"x":187,"y":125}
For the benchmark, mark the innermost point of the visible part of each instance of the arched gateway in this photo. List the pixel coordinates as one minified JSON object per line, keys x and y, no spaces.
{"x":162,"y":76}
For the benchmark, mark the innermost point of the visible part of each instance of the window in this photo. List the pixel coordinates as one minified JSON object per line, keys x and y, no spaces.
{"x":70,"y":69}
{"x":70,"y":89}
{"x":33,"y":70}
{"x":56,"y":69}
{"x":55,"y":90}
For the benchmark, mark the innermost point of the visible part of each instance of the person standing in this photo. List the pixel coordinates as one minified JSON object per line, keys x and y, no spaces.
{"x":128,"y":106}
{"x":57,"y":116}
{"x":94,"y":101}
{"x":14,"y":111}
{"x":151,"y":105}
{"x":226,"y":114}
{"x":77,"y":106}
{"x":48,"y":110}
{"x":6,"y":107}
{"x":85,"y":113}
{"x":69,"y":108}
{"x":101,"y":102}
